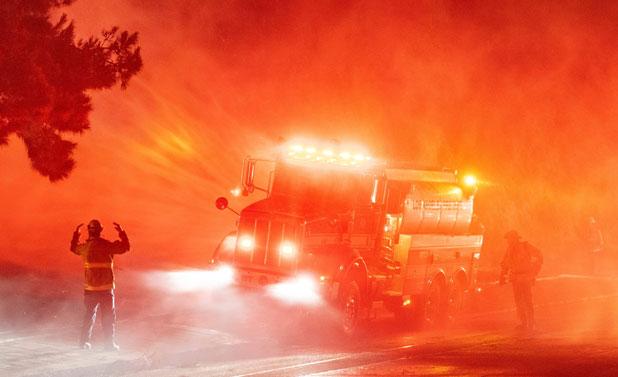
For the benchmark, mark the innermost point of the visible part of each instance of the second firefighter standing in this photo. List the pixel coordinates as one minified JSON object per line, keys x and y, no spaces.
{"x":521,"y":264}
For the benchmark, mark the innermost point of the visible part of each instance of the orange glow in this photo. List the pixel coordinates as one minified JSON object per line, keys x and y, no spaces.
{"x":469,"y":180}
{"x":470,"y":85}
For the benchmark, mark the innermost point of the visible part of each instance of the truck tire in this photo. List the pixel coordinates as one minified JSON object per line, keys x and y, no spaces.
{"x":432,"y":311}
{"x":350,"y":308}
{"x":456,"y":299}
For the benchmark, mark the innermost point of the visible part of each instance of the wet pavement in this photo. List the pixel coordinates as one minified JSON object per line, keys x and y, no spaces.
{"x":198,"y":335}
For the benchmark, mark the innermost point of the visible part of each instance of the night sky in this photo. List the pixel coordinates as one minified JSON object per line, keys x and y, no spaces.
{"x":523,"y":94}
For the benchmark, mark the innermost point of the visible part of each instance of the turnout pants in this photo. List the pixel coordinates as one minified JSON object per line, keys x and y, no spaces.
{"x":93,"y":301}
{"x":522,"y":292}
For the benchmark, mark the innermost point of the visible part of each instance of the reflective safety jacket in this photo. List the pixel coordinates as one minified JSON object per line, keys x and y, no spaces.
{"x":522,"y":261}
{"x":98,"y":257}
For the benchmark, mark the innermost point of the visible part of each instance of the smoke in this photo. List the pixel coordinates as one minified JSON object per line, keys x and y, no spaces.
{"x":521,"y":93}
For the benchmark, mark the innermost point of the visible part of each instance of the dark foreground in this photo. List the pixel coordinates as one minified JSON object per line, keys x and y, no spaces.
{"x":196,"y":334}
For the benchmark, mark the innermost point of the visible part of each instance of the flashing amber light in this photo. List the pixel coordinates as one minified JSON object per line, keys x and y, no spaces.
{"x":246,"y":243}
{"x":469,"y":180}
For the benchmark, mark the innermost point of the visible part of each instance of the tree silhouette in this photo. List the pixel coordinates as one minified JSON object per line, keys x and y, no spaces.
{"x":44,"y":76}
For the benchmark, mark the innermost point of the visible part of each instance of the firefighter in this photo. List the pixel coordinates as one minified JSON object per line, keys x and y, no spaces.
{"x":98,"y":256}
{"x":594,"y":245}
{"x":521,"y":263}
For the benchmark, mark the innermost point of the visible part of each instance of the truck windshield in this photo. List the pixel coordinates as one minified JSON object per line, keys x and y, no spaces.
{"x":322,"y":184}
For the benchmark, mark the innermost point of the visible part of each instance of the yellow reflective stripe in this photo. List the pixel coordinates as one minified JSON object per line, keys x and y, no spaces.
{"x":98,"y":265}
{"x":104,"y":287}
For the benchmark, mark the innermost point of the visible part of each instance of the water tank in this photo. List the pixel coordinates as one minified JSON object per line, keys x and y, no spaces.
{"x":436,"y":208}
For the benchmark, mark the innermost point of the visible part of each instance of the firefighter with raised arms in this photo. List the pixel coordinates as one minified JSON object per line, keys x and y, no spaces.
{"x":98,"y":257}
{"x":521,"y":263}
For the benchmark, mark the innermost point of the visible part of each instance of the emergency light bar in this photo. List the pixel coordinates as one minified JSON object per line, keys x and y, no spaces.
{"x":299,"y":152}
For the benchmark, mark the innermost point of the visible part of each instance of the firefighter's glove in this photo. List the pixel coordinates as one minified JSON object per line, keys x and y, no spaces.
{"x":78,"y":229}
{"x":118,"y":228}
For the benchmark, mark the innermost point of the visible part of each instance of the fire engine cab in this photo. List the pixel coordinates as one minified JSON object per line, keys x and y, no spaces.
{"x":342,"y":229}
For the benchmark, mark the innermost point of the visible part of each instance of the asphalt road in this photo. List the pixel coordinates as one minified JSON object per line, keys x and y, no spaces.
{"x":201,"y":334}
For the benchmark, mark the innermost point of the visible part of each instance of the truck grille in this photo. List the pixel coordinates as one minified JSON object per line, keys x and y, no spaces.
{"x":267,"y":237}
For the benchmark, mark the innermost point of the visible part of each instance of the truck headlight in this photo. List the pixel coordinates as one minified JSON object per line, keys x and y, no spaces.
{"x":288,"y":249}
{"x":246,"y":243}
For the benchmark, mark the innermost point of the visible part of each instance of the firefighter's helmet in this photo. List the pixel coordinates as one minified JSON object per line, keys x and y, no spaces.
{"x":94,"y":227}
{"x":512,"y":235}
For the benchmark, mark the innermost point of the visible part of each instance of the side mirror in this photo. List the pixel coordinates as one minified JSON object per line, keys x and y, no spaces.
{"x":248,"y":173}
{"x":221,"y":203}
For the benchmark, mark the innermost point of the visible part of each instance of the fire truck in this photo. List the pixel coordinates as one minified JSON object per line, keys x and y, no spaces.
{"x":342,"y":229}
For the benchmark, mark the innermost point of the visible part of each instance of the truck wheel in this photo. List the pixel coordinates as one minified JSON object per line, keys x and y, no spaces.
{"x":456,"y":300}
{"x":433,"y":311}
{"x":351,"y":308}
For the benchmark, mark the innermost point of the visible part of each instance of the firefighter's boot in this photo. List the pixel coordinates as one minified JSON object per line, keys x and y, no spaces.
{"x":108,"y":320}
{"x":90,"y":316}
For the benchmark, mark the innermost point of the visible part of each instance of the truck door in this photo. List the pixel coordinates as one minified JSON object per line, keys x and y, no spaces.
{"x":420,"y":262}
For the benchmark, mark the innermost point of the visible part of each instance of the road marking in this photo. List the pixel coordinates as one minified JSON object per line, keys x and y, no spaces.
{"x":295,"y":366}
{"x":353,"y":366}
{"x":357,"y":360}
